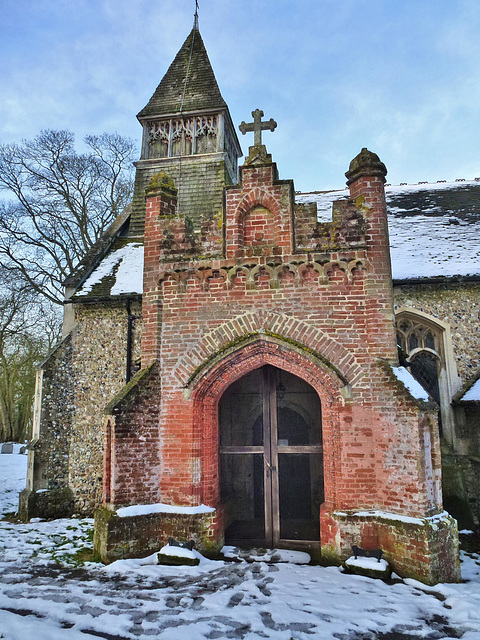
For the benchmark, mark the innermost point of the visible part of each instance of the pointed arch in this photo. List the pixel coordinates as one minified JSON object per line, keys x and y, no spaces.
{"x":208,"y":388}
{"x":427,"y":343}
{"x":292,"y":332}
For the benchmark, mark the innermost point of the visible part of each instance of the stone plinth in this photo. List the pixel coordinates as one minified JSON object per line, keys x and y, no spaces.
{"x":140,"y":535}
{"x":422,"y":548}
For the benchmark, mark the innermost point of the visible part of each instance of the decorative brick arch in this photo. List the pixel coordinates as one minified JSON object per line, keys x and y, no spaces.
{"x":210,"y":387}
{"x":286,"y":329}
{"x":258,"y":197}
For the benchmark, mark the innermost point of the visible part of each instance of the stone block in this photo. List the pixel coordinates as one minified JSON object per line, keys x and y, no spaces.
{"x":56,"y":503}
{"x":425,"y":549}
{"x":138,"y":536}
{"x":177,"y":561}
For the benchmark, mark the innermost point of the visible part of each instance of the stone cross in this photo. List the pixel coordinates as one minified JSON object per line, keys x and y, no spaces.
{"x":257,"y":126}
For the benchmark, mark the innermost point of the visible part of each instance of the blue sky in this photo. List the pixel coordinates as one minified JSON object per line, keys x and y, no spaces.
{"x":401,"y":77}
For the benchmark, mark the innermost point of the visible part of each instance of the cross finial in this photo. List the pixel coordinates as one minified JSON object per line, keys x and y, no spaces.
{"x":195,"y":17}
{"x":257,"y":126}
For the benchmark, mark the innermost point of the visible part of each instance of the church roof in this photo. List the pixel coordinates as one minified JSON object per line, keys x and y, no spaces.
{"x":188,"y":85}
{"x":120,"y":272}
{"x":434,"y":228}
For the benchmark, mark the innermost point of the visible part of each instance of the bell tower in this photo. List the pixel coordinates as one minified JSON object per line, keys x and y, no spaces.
{"x":188,"y":135}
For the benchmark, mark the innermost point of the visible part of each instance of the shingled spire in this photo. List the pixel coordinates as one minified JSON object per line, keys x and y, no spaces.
{"x":188,"y":85}
{"x":188,"y":134}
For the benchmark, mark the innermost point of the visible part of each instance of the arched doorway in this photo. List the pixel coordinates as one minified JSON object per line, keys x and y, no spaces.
{"x":271,"y":462}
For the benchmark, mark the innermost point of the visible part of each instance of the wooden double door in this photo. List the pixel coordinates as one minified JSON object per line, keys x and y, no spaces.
{"x":271,"y":464}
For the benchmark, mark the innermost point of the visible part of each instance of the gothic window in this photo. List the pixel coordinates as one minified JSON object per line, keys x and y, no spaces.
{"x":188,"y":136}
{"x":424,"y":367}
{"x":424,"y":342}
{"x":181,"y":137}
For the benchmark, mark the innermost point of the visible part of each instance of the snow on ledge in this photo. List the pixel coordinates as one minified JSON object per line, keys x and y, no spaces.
{"x":160,"y":507}
{"x":387,"y":515}
{"x":372,"y":564}
{"x":473,"y":394}
{"x":178,"y":552}
{"x":408,"y":381}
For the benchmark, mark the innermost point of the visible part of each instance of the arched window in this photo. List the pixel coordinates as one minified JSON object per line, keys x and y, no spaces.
{"x":426,"y":345}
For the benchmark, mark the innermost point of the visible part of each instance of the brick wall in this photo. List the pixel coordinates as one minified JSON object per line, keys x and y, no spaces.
{"x":324,"y":315}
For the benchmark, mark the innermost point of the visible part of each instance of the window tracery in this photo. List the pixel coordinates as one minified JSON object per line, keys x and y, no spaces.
{"x":424,"y":343}
{"x":183,"y":136}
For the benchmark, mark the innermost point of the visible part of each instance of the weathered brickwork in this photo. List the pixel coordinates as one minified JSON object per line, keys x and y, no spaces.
{"x":323,"y":313}
{"x":422,"y":544}
{"x":136,"y":536}
{"x":456,"y":304}
{"x":131,"y":441}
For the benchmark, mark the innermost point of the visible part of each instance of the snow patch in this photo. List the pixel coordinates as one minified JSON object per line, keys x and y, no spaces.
{"x":129,"y":275}
{"x":269,"y":555}
{"x":413,"y":386}
{"x":178,"y":552}
{"x":160,"y":507}
{"x":372,"y":564}
{"x":387,"y":515}
{"x":473,"y":394}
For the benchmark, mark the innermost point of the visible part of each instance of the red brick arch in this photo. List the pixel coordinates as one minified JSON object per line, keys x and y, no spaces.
{"x":257,"y":197}
{"x":209,"y":389}
{"x":287,"y":328}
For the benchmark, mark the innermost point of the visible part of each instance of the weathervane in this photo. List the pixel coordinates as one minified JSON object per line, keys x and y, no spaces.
{"x":195,"y":24}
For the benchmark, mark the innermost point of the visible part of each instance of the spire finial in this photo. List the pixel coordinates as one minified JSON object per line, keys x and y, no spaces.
{"x":195,"y":20}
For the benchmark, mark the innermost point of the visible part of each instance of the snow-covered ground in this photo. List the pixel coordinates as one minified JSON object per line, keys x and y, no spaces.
{"x":45,"y":594}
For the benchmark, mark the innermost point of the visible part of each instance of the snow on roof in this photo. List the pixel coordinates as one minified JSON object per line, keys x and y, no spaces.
{"x":473,"y":394}
{"x":413,"y":386}
{"x":434,"y":228}
{"x":121,"y":271}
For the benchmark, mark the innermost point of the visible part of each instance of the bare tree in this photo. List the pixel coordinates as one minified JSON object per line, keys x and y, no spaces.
{"x":59,"y":202}
{"x":28,"y":329}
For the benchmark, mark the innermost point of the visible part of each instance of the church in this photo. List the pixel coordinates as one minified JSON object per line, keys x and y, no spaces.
{"x":239,"y":365}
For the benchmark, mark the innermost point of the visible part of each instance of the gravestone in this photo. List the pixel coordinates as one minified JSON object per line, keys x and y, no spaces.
{"x":7,"y":447}
{"x":23,"y":450}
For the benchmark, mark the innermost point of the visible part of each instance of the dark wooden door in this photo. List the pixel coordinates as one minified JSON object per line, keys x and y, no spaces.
{"x":271,"y":466}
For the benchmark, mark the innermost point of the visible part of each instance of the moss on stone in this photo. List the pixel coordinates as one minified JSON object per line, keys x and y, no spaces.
{"x":124,"y":393}
{"x":177,"y":561}
{"x":161,"y":182}
{"x":54,"y":503}
{"x":250,"y":337}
